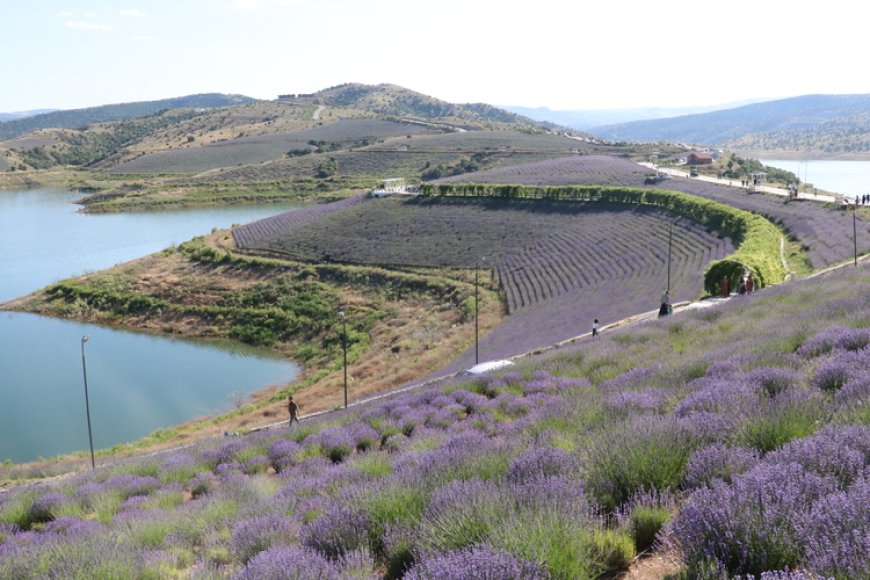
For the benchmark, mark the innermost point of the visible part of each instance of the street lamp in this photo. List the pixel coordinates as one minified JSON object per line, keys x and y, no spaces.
{"x":344,"y":350}
{"x":855,"y":229}
{"x":670,"y":244}
{"x":476,"y":312}
{"x":87,"y":403}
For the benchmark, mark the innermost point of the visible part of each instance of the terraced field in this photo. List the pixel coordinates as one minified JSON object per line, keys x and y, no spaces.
{"x":559,"y":264}
{"x":261,"y":148}
{"x":824,"y":232}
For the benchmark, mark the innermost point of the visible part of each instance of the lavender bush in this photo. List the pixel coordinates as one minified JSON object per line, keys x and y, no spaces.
{"x":476,"y":562}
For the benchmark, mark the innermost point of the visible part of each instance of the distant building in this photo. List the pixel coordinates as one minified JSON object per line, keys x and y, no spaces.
{"x":699,"y":158}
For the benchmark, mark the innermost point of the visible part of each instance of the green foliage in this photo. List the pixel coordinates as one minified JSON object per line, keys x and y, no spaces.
{"x":645,"y":522}
{"x":757,"y":239}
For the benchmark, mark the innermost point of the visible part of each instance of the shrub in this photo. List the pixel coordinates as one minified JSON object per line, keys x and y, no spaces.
{"x":252,"y":536}
{"x":291,"y":563}
{"x":338,"y":531}
{"x":478,"y":561}
{"x":749,"y":526}
{"x":718,"y":462}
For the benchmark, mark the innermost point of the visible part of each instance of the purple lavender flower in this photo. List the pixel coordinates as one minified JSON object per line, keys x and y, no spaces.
{"x":850,"y":339}
{"x":835,"y":533}
{"x":252,"y":536}
{"x":651,"y":399}
{"x":774,"y":380}
{"x":129,"y":485}
{"x":338,"y":531}
{"x":478,"y":561}
{"x":74,"y":527}
{"x":201,"y":484}
{"x":47,"y":507}
{"x":749,"y":526}
{"x":363,"y":436}
{"x":718,"y":462}
{"x":542,"y":462}
{"x":282,"y":454}
{"x":337,"y":443}
{"x":471,"y":402}
{"x":839,"y":368}
{"x":840,"y":452}
{"x":291,"y":563}
{"x":256,"y":464}
{"x":714,"y":395}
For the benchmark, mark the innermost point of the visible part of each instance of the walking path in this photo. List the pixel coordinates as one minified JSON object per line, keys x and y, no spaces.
{"x":732,"y":183}
{"x":316,"y":114}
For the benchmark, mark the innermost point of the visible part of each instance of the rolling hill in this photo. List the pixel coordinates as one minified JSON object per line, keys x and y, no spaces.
{"x":116,"y":112}
{"x":827,"y":124}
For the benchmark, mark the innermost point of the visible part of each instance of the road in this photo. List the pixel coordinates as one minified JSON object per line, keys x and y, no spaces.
{"x":732,"y":183}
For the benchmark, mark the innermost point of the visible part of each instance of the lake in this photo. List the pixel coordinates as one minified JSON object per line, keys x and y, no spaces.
{"x":850,"y":178}
{"x":137,"y":383}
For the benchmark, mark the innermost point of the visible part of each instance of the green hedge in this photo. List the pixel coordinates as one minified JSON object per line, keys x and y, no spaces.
{"x":756,"y":238}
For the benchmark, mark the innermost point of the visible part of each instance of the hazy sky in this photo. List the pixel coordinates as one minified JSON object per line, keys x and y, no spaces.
{"x":570,"y":54}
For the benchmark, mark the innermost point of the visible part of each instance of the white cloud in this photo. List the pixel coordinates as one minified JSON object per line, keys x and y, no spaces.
{"x":84,"y":25}
{"x":133,"y":13}
{"x":144,"y":38}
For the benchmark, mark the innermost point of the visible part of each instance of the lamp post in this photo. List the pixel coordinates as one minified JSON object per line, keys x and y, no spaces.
{"x":476,"y":312}
{"x":855,"y":229}
{"x":670,"y":244}
{"x":87,"y":403}
{"x":344,"y":350}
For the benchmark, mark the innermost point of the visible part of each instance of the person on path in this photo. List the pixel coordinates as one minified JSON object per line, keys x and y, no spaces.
{"x":665,"y":307}
{"x":595,"y":328}
{"x":724,"y":288}
{"x":293,"y":409}
{"x":749,"y":283}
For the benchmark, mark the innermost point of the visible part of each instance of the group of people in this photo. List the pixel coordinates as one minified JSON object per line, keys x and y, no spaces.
{"x":864,"y":199}
{"x":745,"y":286}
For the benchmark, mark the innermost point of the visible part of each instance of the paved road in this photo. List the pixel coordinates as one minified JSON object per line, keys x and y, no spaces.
{"x":733,"y":183}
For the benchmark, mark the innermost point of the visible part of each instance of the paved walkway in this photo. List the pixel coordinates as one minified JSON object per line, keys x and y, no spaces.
{"x":732,"y":183}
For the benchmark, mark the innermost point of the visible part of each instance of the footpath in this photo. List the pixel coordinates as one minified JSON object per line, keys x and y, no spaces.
{"x":736,"y":184}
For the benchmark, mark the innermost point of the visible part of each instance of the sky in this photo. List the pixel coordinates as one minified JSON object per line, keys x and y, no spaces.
{"x":560,"y":54}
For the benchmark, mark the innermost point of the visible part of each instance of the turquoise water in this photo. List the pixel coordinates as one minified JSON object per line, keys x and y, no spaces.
{"x":850,"y":178}
{"x":137,"y":383}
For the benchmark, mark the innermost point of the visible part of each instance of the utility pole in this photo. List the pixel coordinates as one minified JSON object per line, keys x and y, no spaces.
{"x":87,"y":404}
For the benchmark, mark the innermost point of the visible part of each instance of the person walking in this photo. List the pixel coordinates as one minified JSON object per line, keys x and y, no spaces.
{"x":724,"y":287}
{"x":595,"y":328}
{"x":293,"y":409}
{"x":665,"y":307}
{"x":749,"y":283}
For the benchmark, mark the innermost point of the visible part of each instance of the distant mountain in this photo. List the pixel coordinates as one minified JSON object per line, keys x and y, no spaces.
{"x":810,"y":122}
{"x":23,"y":114}
{"x":76,"y":118}
{"x":587,"y":119}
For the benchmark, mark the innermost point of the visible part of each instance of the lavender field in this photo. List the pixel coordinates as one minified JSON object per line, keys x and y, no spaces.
{"x":261,"y":148}
{"x":824,"y":232}
{"x":735,"y":438}
{"x":559,"y":265}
